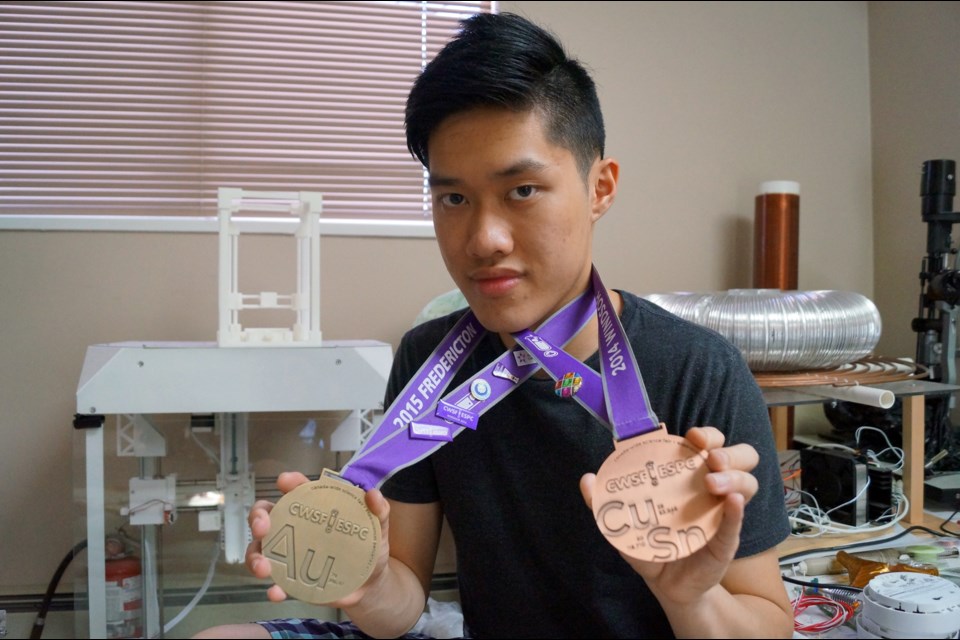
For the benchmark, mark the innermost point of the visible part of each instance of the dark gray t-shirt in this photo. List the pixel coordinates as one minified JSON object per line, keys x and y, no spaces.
{"x":530,"y":559}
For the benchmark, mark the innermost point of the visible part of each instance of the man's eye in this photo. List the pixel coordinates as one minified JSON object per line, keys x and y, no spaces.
{"x":523,"y":192}
{"x":452,"y":199}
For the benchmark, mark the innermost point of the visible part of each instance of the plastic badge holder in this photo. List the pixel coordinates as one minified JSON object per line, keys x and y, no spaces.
{"x":909,"y":605}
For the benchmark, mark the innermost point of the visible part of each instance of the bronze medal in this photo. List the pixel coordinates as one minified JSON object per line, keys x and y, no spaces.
{"x":323,"y":541}
{"x":650,"y":500}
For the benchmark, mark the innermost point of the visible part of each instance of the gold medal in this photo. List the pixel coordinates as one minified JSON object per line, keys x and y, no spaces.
{"x":650,"y":500}
{"x":323,"y":541}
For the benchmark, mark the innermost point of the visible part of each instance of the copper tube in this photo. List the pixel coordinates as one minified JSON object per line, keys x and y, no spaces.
{"x":776,"y":251}
{"x":776,"y":236}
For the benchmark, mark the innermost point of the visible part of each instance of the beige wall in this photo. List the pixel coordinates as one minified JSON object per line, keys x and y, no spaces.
{"x":704,"y":101}
{"x":915,"y":109}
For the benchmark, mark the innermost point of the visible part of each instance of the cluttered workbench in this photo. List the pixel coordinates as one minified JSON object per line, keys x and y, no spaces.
{"x":901,"y":582}
{"x":868,"y":557}
{"x":898,"y":579}
{"x":912,"y":391}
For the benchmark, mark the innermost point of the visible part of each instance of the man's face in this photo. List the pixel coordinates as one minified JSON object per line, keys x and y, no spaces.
{"x":513,"y":215}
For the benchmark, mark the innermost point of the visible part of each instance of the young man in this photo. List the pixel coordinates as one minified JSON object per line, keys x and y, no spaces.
{"x":512,"y":134}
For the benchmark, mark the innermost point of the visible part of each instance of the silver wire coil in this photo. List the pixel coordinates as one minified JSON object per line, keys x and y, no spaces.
{"x":784,"y":330}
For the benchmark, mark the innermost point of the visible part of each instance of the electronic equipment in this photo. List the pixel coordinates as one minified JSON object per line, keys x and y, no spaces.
{"x":944,"y":488}
{"x":935,"y":326}
{"x":904,"y":604}
{"x":936,"y":323}
{"x":852,"y":491}
{"x":834,"y":482}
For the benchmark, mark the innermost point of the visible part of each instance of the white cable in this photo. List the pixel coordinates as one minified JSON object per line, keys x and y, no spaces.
{"x":900,"y":454}
{"x":851,"y":500}
{"x":823,"y":517}
{"x":203,"y":590}
{"x":824,"y":525}
{"x":815,"y":517}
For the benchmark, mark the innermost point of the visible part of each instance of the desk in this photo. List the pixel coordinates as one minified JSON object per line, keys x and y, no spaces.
{"x":912,"y":392}
{"x":807,"y":560}
{"x":797,"y":545}
{"x":152,"y":378}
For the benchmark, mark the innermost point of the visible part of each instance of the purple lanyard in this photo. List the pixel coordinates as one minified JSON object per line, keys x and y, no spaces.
{"x":621,"y":400}
{"x":428,"y":422}
{"x":417,"y":423}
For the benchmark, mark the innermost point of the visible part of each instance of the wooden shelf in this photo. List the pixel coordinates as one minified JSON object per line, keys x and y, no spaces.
{"x":912,"y":392}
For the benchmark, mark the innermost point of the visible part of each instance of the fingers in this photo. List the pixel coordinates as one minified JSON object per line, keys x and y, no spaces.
{"x":739,"y":457}
{"x":258,"y":565}
{"x":259,"y":521}
{"x":726,"y":541}
{"x":587,"y":483}
{"x":729,"y":466}
{"x":290,"y":480}
{"x":259,"y":518}
{"x":276,"y":594}
{"x":730,"y":471}
{"x":725,"y":483}
{"x":377,"y":505}
{"x":706,"y":438}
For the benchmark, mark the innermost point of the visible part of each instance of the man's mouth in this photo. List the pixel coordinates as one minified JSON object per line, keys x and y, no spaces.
{"x":495,"y":282}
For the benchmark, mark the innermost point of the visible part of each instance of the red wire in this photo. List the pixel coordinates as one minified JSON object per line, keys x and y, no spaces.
{"x":842,"y":613}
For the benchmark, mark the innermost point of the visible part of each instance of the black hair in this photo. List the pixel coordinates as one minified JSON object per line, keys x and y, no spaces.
{"x":504,"y":60}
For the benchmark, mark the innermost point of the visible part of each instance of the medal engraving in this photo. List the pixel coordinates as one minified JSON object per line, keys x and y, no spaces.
{"x":650,"y":500}
{"x":323,"y":541}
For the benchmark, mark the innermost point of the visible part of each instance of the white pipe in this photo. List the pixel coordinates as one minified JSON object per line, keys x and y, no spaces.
{"x":854,"y":393}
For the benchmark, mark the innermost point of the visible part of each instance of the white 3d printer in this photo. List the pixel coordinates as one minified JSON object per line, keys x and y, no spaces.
{"x":246,"y":370}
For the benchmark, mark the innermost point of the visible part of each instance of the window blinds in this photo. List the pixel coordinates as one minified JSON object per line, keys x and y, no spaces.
{"x":145,"y":108}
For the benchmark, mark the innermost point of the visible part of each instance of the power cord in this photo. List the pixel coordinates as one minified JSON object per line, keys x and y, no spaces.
{"x":37,"y":630}
{"x":38,"y":624}
{"x":812,"y":517}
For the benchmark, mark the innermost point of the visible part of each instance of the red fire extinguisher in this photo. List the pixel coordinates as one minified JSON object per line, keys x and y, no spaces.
{"x":124,"y":610}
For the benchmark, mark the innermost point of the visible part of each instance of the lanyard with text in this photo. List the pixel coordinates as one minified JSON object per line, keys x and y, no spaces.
{"x":406,"y":436}
{"x":616,"y":396}
{"x":323,"y":541}
{"x":649,"y":500}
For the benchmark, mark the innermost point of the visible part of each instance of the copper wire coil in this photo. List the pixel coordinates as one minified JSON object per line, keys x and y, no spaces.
{"x":870,"y":370}
{"x":776,"y":241}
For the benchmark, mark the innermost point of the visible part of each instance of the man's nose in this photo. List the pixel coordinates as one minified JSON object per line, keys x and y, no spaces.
{"x":490,"y":233}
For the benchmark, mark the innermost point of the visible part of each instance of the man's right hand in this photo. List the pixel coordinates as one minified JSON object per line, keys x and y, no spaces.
{"x":259,"y":520}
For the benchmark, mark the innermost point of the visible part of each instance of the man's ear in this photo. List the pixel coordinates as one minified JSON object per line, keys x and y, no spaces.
{"x":603,"y":186}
